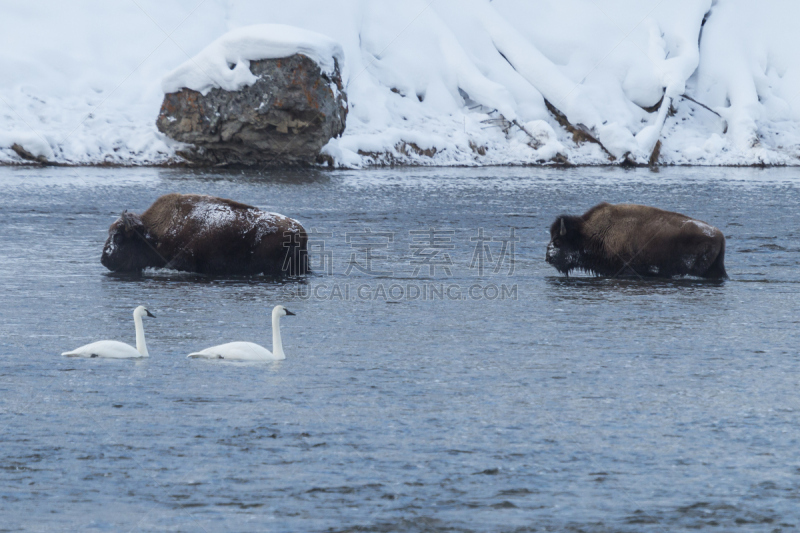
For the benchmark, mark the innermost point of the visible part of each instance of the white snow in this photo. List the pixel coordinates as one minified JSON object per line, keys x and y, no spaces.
{"x":464,"y":80}
{"x":210,"y":216}
{"x":708,"y":230}
{"x":212,"y":66}
{"x":31,"y":141}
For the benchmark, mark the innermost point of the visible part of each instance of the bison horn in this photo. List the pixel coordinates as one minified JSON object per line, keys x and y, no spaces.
{"x":125,"y":219}
{"x":563,"y":228}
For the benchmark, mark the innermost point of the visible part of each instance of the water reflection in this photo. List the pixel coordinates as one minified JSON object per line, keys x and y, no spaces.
{"x":633,"y":285}
{"x":297,"y":177}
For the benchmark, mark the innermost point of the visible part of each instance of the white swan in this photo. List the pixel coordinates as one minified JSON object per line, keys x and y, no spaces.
{"x":248,"y":351}
{"x":116,"y":349}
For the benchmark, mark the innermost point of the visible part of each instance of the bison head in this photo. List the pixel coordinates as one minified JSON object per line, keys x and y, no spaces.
{"x":129,"y":247}
{"x":566,"y":243}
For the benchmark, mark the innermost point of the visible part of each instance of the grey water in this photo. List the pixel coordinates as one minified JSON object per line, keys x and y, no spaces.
{"x":434,"y":380}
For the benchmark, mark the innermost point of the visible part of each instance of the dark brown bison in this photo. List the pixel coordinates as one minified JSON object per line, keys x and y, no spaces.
{"x":629,"y":239}
{"x":209,"y":235}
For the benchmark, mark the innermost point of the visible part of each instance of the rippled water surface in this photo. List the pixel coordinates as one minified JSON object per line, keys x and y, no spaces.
{"x":490,"y":401}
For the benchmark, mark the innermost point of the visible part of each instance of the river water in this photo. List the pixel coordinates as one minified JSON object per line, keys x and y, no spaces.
{"x":439,"y":374}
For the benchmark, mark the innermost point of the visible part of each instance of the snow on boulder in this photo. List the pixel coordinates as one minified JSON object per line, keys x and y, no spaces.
{"x":266,"y":94}
{"x":224,"y":63}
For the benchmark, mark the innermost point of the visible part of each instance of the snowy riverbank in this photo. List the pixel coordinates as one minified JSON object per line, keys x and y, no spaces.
{"x":443,"y":82}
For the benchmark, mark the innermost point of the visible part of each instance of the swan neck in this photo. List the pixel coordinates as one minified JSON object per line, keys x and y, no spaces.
{"x":141,"y":345}
{"x":277,"y":345}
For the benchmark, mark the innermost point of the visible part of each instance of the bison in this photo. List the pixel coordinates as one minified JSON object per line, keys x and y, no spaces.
{"x":629,"y":239}
{"x":205,"y":234}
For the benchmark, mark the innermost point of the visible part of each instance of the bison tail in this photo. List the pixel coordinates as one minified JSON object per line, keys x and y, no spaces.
{"x":717,"y":268}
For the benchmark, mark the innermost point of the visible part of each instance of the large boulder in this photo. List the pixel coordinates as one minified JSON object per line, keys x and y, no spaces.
{"x":285,"y":117}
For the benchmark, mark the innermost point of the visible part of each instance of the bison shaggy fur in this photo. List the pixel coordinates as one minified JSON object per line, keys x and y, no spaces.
{"x":629,"y":239}
{"x":205,"y":234}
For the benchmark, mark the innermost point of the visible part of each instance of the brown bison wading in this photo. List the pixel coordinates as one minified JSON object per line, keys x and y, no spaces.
{"x":629,"y":239}
{"x":205,"y":234}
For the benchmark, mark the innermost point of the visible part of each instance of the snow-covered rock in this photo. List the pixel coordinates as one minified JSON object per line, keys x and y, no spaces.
{"x":225,"y":63}
{"x":234,"y":107}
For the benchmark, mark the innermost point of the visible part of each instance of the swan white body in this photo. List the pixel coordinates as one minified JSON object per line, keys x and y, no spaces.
{"x":248,"y":351}
{"x":116,"y":349}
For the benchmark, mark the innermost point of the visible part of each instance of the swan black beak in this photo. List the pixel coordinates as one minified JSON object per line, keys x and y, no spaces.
{"x":149,"y":313}
{"x":289,"y":313}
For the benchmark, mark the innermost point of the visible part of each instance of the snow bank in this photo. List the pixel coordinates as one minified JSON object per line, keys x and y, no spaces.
{"x":750,"y":73}
{"x":450,"y":82}
{"x":212,"y":66}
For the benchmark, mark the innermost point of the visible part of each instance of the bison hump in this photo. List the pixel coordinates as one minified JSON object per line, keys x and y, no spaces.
{"x":222,"y":219}
{"x":706,"y":229}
